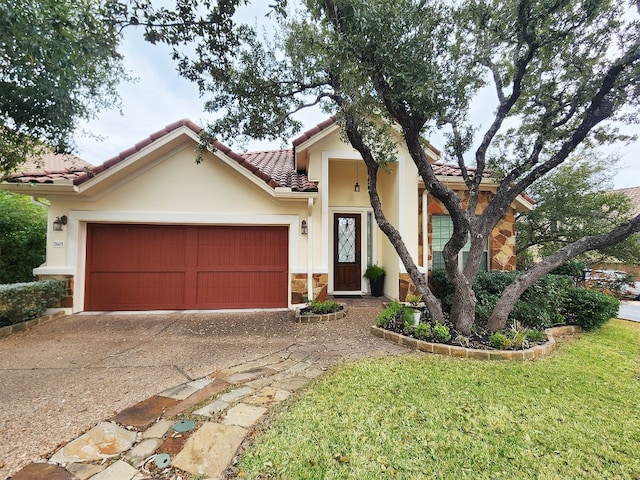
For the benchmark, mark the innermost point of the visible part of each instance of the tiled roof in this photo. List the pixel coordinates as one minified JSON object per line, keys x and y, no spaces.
{"x":451,"y":170}
{"x":634,"y":195}
{"x":275,"y":168}
{"x":50,"y":167}
{"x":314,"y":131}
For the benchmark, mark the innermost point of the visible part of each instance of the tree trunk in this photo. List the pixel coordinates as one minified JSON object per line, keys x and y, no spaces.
{"x":464,"y":305}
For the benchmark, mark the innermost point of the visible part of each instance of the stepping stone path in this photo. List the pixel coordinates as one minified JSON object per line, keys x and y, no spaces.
{"x":224,"y":407}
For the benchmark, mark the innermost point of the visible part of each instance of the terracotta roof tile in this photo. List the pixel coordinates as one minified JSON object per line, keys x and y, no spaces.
{"x":314,"y":131}
{"x":277,"y":166}
{"x":452,"y":170}
{"x":634,"y":195}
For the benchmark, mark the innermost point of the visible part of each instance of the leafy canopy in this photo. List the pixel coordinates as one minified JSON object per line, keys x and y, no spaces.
{"x":58,"y":65}
{"x":574,"y":201}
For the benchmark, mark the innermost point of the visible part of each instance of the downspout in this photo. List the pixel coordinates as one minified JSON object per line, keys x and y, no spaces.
{"x":310,"y":249}
{"x":425,"y":235}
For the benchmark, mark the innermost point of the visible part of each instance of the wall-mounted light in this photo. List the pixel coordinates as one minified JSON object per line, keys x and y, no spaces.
{"x":356,"y":187}
{"x":303,"y":227}
{"x":59,"y":222}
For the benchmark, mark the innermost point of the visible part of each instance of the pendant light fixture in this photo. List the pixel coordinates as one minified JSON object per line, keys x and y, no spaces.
{"x":356,"y":187}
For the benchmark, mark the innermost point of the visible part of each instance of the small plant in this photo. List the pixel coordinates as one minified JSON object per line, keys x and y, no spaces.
{"x":414,"y":299}
{"x":394,"y":317}
{"x":462,"y":341}
{"x":374,"y":271}
{"x":536,"y":336}
{"x":321,"y":308}
{"x":519,"y":341}
{"x":422,"y":331}
{"x":441,"y":333}
{"x":500,"y":341}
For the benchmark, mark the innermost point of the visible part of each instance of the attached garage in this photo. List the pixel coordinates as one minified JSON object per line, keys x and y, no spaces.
{"x":178,"y":267}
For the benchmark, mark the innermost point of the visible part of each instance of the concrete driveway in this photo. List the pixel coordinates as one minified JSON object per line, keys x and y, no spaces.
{"x":61,"y":378}
{"x":630,"y":311}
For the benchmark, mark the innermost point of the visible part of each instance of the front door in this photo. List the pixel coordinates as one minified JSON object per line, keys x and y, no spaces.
{"x":347,"y":274}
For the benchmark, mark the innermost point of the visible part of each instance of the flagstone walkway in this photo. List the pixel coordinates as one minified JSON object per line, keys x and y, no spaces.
{"x":194,"y":430}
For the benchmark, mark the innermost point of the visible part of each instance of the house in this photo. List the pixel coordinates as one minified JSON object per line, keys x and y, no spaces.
{"x":150,"y":229}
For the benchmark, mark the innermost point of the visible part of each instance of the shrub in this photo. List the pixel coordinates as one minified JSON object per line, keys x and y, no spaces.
{"x":422,"y":331}
{"x":24,"y":301}
{"x":395,"y":316}
{"x":320,"y":308}
{"x":442,"y":287}
{"x":589,"y":308}
{"x":536,"y":336}
{"x":441,"y":333}
{"x":500,"y":341}
{"x":374,"y":271}
{"x":23,"y":237}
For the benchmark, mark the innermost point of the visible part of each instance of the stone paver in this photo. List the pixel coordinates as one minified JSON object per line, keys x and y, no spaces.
{"x":105,"y":440}
{"x":118,"y":471}
{"x":158,"y":429}
{"x":210,"y":450}
{"x":40,"y":471}
{"x":243,"y":415}
{"x":240,"y":396}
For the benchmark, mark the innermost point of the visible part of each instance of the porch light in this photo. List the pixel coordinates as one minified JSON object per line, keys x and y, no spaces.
{"x":59,"y":222}
{"x":356,"y":187}
{"x":303,"y":227}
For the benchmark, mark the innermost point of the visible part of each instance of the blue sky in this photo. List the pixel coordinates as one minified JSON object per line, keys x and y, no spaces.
{"x":160,"y":97}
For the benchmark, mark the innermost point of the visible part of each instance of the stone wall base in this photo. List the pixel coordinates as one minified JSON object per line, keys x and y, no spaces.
{"x":299,"y":287}
{"x":456,"y":351}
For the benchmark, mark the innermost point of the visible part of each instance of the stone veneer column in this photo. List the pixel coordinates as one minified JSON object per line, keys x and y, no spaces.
{"x":299,"y":287}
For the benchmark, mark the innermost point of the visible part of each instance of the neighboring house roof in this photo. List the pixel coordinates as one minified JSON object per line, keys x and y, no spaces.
{"x":634,"y":195}
{"x":49,"y":167}
{"x":275,"y":168}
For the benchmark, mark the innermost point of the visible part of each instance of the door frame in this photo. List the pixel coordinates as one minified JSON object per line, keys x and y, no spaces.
{"x":364,"y":286}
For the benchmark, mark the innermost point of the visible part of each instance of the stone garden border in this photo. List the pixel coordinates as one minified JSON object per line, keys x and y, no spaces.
{"x":455,"y":351}
{"x":300,"y":318}
{"x":22,"y":326}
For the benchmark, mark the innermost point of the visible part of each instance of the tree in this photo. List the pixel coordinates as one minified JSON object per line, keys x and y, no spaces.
{"x":573,"y":201}
{"x":58,"y":65}
{"x":23,"y":237}
{"x":561,"y":71}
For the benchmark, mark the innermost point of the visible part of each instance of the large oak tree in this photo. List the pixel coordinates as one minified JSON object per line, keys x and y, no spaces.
{"x":559,"y":73}
{"x":58,"y":66}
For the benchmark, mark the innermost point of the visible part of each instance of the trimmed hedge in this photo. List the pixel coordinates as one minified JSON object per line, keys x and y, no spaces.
{"x":588,"y":308}
{"x":23,"y":301}
{"x":552,"y":300}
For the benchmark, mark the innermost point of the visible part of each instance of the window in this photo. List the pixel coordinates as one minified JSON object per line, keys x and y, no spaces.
{"x":442,"y":229}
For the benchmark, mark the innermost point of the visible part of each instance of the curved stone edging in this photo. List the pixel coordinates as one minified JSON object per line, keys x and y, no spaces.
{"x":456,"y":351}
{"x":326,"y":317}
{"x":22,"y":326}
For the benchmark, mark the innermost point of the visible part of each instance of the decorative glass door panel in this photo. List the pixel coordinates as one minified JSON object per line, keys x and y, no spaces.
{"x":347,"y":266}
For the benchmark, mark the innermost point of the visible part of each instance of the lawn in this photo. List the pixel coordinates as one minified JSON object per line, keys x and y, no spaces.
{"x":575,"y":414}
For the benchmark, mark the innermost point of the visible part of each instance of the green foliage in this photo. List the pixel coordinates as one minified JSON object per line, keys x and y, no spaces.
{"x":442,"y":287}
{"x":23,"y":232}
{"x":59,"y":65}
{"x":575,"y":201}
{"x":395,"y":316}
{"x":500,"y":341}
{"x":589,"y":308}
{"x":374,"y":271}
{"x":441,"y":333}
{"x":422,"y":331}
{"x":24,"y":301}
{"x":536,"y":336}
{"x":320,"y":308}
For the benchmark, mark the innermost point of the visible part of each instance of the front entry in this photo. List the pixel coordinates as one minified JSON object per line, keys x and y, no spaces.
{"x":347,"y":273}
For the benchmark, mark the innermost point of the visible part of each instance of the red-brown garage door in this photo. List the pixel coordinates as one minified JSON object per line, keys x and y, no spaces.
{"x":160,"y":267}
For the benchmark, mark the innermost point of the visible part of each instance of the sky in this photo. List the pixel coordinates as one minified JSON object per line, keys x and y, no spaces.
{"x":159,"y":97}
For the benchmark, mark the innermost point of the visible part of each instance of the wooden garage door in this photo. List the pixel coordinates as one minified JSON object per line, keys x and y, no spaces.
{"x":159,"y":267}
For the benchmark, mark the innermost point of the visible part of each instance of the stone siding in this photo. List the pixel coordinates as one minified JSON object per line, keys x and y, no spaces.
{"x":502,"y":244}
{"x":299,"y":287}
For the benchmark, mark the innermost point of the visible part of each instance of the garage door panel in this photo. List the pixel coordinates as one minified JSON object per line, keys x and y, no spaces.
{"x":144,"y":291}
{"x":227,"y":289}
{"x":140,"y":267}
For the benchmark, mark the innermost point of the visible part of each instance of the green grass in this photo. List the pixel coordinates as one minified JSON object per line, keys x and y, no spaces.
{"x":575,"y":414}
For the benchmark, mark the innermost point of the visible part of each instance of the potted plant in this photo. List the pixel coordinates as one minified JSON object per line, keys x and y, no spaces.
{"x":414,"y":300}
{"x":375,"y":274}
